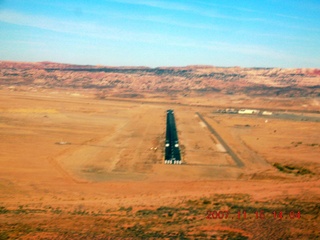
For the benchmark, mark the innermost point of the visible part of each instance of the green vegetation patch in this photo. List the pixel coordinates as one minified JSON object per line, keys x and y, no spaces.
{"x":292,"y":169}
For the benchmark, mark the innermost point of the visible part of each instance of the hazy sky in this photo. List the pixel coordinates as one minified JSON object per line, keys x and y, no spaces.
{"x":247,"y":33}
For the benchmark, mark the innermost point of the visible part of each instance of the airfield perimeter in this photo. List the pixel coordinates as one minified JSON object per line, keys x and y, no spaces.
{"x":75,"y":166}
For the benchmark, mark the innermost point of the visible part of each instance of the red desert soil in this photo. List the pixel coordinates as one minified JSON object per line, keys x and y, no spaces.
{"x":74,"y":166}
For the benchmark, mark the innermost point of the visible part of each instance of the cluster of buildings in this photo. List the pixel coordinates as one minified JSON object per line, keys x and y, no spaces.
{"x":243,"y":111}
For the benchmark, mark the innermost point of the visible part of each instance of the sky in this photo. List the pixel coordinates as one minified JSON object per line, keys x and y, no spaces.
{"x":155,"y":33}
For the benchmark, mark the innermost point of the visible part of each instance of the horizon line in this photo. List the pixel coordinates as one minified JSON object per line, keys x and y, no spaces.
{"x":149,"y":67}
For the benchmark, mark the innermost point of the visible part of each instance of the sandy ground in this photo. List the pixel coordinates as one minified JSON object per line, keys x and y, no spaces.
{"x":71,"y":163}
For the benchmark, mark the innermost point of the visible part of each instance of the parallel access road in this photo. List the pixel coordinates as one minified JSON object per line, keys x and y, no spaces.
{"x":223,"y":143}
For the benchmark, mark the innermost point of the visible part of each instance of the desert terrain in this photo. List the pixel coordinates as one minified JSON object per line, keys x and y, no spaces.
{"x":82,"y":153}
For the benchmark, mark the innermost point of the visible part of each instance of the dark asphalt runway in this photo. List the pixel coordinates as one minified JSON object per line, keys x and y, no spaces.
{"x":172,"y":150}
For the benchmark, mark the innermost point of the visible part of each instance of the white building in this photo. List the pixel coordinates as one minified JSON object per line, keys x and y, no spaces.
{"x":266,"y":113}
{"x":248,"y":111}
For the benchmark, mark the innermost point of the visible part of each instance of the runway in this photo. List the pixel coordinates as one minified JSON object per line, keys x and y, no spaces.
{"x":172,"y":150}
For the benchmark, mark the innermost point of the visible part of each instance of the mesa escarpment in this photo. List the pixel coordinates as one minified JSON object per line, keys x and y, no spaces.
{"x":134,"y":81}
